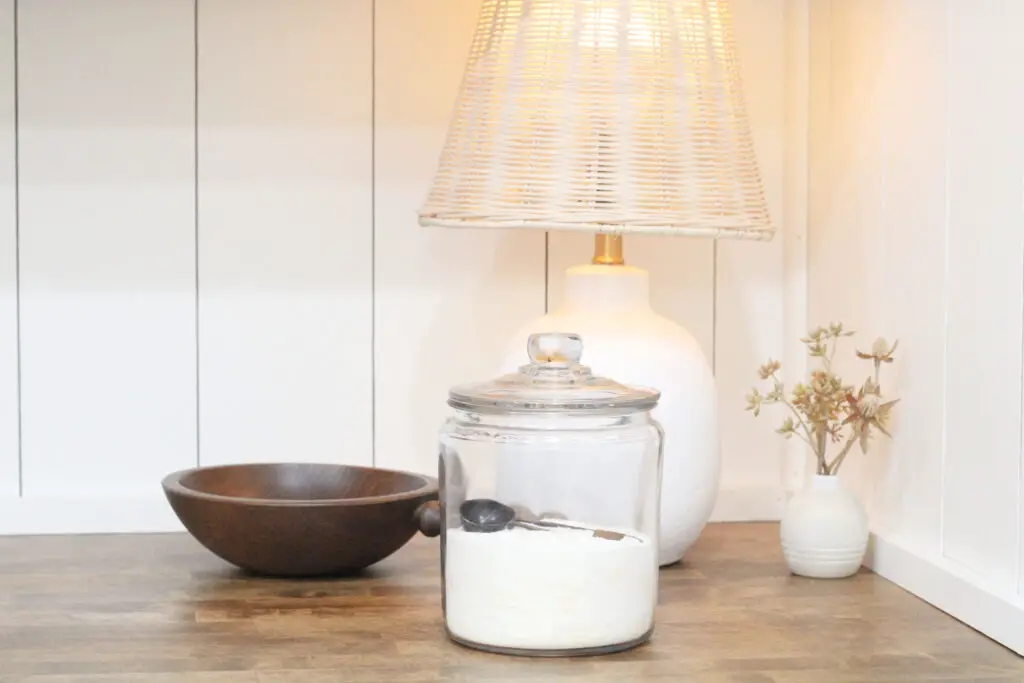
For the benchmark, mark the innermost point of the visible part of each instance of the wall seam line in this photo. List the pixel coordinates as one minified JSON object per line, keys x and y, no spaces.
{"x":945,"y":284}
{"x":1020,"y":423}
{"x":795,"y":214}
{"x":714,"y":308}
{"x":195,"y":210}
{"x":373,"y":232}
{"x":1020,"y":437}
{"x":17,"y":255}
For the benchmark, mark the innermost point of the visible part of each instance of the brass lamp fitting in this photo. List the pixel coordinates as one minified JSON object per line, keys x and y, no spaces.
{"x":607,"y":250}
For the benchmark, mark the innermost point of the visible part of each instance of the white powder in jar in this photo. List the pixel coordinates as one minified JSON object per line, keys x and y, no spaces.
{"x":559,"y":589}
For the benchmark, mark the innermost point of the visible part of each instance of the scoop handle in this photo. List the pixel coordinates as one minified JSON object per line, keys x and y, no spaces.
{"x":428,"y":517}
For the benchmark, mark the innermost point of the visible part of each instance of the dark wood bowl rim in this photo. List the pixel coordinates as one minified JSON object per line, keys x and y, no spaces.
{"x":172,"y":484}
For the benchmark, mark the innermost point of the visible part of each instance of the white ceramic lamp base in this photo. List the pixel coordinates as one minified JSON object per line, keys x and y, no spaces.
{"x":624,"y":339}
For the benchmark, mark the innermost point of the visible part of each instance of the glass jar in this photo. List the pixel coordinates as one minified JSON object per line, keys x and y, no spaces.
{"x":549,"y":493}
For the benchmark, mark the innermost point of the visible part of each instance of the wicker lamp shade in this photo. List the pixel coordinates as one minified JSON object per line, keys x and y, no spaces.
{"x":623,"y":116}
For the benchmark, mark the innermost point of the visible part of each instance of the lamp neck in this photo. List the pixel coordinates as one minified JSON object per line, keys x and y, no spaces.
{"x":606,"y":289}
{"x":607,"y":250}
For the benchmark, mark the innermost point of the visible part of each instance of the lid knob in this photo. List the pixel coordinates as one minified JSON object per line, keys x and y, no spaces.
{"x":558,"y":348}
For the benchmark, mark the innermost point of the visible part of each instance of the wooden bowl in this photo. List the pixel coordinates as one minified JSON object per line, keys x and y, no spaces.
{"x":303,"y":519}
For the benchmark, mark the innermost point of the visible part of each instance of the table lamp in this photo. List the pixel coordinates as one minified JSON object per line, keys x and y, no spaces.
{"x":613,"y":117}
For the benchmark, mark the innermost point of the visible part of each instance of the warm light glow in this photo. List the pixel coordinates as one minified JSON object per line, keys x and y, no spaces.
{"x":602,"y":30}
{"x":596,"y":28}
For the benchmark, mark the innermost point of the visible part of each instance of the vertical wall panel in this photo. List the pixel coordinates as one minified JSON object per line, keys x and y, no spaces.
{"x":908,"y":246}
{"x":447,"y":301}
{"x":749,"y":303}
{"x":984,"y":302}
{"x":107,"y":245}
{"x":878,"y":235}
{"x":8,"y":263}
{"x":845,"y":241}
{"x":285,"y":231}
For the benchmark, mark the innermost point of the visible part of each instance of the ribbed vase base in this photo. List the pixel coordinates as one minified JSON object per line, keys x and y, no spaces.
{"x":834,"y":563}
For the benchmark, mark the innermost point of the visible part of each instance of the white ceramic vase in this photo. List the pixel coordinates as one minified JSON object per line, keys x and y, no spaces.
{"x":626,"y":340}
{"x":824,"y":531}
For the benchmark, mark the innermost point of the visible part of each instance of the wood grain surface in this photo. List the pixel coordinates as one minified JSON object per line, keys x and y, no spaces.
{"x":160,"y":609}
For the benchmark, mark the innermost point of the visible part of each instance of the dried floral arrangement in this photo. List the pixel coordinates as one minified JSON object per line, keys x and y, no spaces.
{"x":825,"y":410}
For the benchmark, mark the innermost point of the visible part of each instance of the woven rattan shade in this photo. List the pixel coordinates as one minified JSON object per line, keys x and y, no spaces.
{"x":605,"y":116}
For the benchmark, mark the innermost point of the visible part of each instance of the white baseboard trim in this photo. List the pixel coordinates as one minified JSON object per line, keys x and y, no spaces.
{"x":947,"y":586}
{"x":23,"y":516}
{"x":761,"y":504}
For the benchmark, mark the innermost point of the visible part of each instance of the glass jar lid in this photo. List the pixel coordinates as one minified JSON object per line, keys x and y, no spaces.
{"x":553,"y":381}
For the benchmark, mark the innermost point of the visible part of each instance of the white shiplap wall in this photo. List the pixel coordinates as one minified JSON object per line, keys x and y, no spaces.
{"x":220,"y":260}
{"x":285,"y":234}
{"x":917,"y":233}
{"x":106,"y":244}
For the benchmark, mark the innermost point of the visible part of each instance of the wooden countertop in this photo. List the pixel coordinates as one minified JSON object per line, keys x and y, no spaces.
{"x":160,"y":609}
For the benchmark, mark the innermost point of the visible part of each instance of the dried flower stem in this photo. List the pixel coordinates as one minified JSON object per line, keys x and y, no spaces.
{"x":806,"y":436}
{"x":819,"y":450}
{"x":834,"y":467}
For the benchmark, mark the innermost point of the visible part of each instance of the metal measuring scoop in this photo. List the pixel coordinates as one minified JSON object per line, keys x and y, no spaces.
{"x":486,"y":516}
{"x":483,"y":515}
